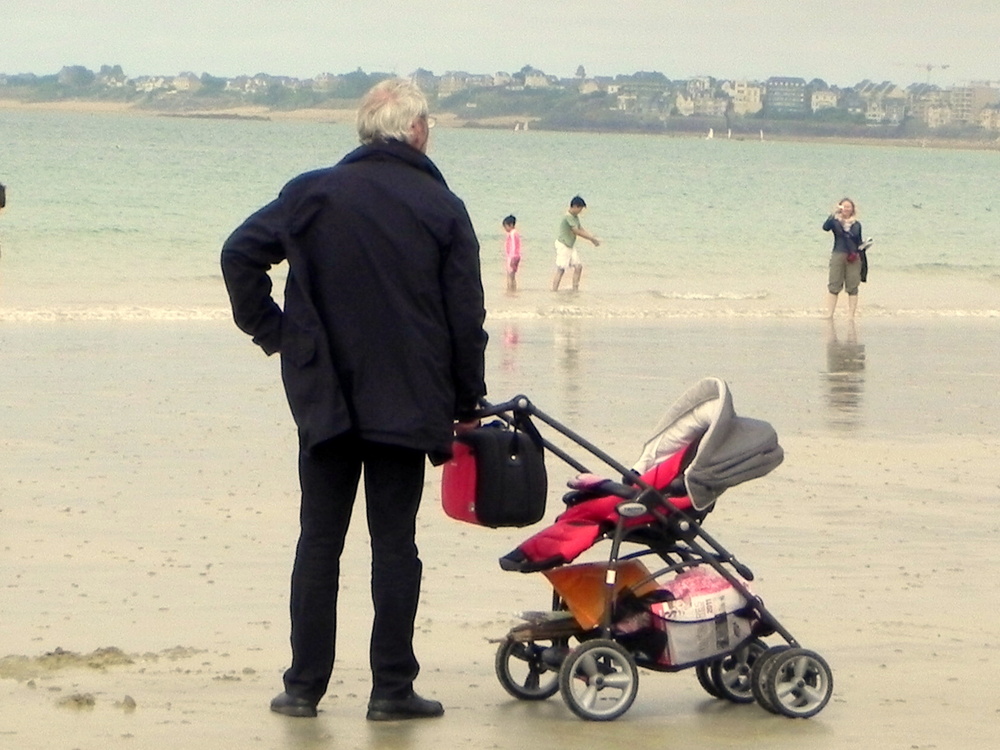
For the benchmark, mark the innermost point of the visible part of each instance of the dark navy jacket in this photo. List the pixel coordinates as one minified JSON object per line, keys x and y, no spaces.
{"x":381,"y":330}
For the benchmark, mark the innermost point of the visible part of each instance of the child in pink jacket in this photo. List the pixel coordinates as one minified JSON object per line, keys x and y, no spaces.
{"x":511,"y":251}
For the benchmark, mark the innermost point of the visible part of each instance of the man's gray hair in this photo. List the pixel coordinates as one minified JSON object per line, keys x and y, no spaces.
{"x":389,"y":109}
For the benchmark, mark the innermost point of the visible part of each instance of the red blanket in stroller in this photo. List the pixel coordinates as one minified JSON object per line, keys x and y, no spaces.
{"x":579,"y":527}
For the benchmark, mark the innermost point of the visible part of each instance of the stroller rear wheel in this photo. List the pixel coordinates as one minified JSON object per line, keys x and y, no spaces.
{"x":704,"y":673}
{"x":522,"y":669}
{"x":599,"y":680}
{"x":731,"y":673}
{"x":798,"y":683}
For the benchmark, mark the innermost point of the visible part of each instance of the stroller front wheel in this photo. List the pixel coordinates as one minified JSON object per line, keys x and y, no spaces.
{"x":599,"y":680}
{"x":798,"y":682}
{"x":760,"y":676}
{"x":522,"y":669}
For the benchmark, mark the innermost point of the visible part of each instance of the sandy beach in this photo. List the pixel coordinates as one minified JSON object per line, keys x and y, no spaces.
{"x":314,"y":114}
{"x":82,"y":106}
{"x":149,"y":512}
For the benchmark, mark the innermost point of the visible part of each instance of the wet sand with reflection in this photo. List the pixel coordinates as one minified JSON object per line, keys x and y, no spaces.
{"x":149,"y":513}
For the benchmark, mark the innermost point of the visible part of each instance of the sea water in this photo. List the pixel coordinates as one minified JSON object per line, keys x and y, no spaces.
{"x":113,"y":216}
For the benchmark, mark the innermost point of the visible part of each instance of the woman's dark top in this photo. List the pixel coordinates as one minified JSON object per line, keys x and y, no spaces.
{"x":844,"y":240}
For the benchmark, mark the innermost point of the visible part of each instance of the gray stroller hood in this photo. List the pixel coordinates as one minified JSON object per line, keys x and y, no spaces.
{"x":732,"y":449}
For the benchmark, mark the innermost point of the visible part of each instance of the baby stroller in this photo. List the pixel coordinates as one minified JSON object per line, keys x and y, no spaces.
{"x":678,"y":600}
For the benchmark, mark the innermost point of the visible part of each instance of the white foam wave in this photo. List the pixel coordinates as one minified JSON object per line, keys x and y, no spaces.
{"x":114,"y":313}
{"x":705,"y":297}
{"x":558,"y":313}
{"x":554,"y":312}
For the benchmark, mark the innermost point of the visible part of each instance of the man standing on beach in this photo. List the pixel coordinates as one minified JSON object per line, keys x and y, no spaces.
{"x":382,"y":357}
{"x":566,"y":254}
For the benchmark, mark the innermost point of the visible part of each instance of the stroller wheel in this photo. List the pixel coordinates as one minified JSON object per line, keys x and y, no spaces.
{"x":599,"y":680}
{"x":760,"y":674}
{"x":704,"y":673}
{"x":522,"y":669}
{"x":731,"y":673}
{"x":798,"y":682}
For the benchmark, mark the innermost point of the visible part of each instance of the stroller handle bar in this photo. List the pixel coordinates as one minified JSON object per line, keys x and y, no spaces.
{"x":522,"y":405}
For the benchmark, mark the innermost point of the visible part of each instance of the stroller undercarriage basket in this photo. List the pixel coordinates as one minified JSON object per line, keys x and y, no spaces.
{"x":680,"y":601}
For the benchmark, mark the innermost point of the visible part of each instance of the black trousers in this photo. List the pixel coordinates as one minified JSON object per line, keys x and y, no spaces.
{"x":329,"y":476}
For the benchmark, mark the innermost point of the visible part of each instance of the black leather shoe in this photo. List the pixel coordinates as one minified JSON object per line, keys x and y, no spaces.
{"x":414,"y":707}
{"x":289,"y":705}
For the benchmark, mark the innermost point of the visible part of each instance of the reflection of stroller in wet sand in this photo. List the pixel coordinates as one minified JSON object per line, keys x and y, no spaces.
{"x":680,"y":600}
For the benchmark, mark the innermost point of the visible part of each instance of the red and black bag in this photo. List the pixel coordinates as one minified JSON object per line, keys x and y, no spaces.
{"x":496,"y":476}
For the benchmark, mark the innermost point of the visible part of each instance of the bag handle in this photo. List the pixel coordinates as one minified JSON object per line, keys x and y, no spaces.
{"x":522,"y":423}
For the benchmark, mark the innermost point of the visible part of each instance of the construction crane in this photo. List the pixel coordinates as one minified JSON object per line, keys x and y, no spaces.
{"x":931,"y":66}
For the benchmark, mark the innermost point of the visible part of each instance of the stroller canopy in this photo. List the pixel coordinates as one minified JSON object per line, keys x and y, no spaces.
{"x":731,"y":449}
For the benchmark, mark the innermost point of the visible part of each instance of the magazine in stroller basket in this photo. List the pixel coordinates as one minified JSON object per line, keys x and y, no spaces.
{"x":669,"y":596}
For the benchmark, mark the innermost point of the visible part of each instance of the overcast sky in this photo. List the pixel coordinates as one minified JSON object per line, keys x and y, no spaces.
{"x":841,"y":41}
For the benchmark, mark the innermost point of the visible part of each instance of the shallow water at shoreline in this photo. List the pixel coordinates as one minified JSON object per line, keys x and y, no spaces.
{"x":116,"y":213}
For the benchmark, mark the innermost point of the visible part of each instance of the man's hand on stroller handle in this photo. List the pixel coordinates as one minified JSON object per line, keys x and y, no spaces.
{"x":468,"y":426}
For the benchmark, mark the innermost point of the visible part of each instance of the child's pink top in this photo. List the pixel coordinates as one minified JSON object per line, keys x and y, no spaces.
{"x":512,"y":247}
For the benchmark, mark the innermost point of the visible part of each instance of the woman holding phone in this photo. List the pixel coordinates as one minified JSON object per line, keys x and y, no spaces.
{"x":845,"y":260}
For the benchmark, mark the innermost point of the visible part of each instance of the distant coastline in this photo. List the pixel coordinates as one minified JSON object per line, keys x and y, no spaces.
{"x":444,"y":119}
{"x":87,"y":106}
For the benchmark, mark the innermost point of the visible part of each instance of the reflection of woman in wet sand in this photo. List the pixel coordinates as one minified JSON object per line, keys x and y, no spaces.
{"x":845,"y":263}
{"x":845,"y":368}
{"x":3,"y":196}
